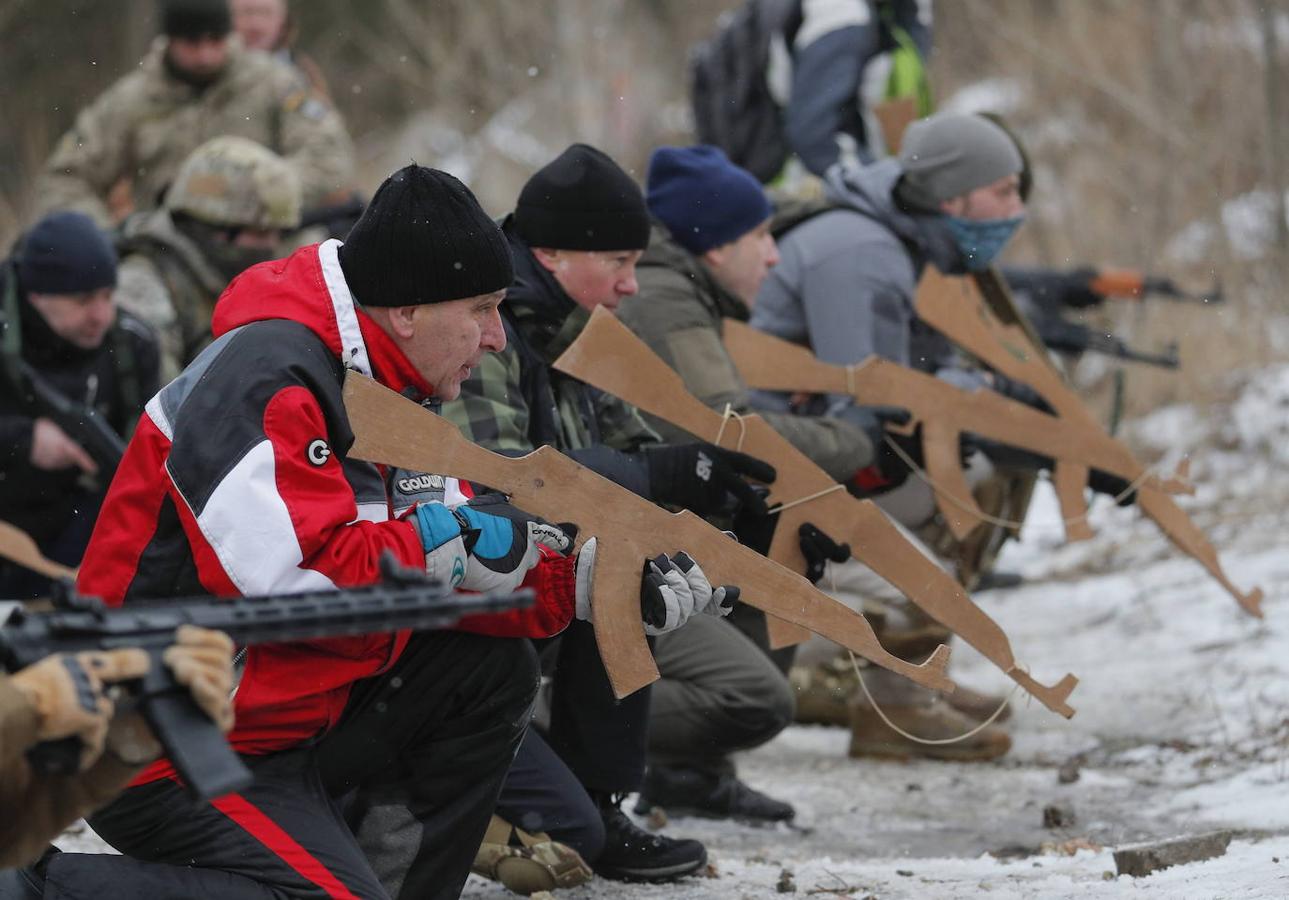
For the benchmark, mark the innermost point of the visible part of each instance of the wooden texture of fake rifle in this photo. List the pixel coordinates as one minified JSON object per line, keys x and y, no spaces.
{"x":1072,"y":437}
{"x":608,"y":356}
{"x":392,"y":430}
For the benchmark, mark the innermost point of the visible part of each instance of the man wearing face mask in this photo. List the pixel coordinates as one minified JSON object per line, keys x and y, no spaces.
{"x":226,"y":211}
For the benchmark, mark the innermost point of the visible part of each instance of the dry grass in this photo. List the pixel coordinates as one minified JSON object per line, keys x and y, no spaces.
{"x":1141,"y":116}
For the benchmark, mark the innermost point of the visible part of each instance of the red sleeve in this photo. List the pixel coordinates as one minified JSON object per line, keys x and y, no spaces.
{"x":553,"y":579}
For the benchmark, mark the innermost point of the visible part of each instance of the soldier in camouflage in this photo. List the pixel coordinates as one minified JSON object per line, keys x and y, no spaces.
{"x":195,"y":84}
{"x":227,"y":210}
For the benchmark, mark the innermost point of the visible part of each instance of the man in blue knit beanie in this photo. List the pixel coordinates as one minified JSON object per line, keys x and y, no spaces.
{"x":710,"y":250}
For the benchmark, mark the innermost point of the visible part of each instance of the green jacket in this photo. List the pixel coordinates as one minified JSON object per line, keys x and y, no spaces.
{"x":678,"y":313}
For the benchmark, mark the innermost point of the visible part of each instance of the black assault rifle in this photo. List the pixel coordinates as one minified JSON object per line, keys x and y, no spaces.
{"x":406,"y":598}
{"x":79,"y":421}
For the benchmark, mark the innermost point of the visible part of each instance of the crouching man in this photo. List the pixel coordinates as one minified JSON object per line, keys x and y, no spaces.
{"x":238,"y":482}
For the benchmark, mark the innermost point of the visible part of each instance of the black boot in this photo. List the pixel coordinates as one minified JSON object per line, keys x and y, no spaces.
{"x":633,"y":854}
{"x":692,"y":792}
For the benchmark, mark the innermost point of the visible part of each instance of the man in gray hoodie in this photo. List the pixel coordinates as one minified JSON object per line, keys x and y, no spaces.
{"x":845,"y":286}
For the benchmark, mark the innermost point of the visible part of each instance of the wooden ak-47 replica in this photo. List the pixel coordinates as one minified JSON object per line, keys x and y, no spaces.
{"x":606,"y":355}
{"x":1071,"y":437}
{"x":17,"y":546}
{"x":393,"y":430}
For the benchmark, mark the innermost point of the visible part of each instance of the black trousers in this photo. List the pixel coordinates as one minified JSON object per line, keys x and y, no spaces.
{"x":602,"y":739}
{"x":436,"y":733}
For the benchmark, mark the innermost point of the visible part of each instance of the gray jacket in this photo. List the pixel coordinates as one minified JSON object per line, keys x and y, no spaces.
{"x":847,"y":277}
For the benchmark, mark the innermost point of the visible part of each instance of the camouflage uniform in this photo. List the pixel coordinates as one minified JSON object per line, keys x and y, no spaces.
{"x":678,"y":313}
{"x":167,"y":278}
{"x":514,"y":401}
{"x":144,"y":127}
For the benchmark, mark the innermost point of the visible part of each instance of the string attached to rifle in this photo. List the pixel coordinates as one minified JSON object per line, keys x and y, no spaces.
{"x":976,"y":512}
{"x":728,"y":414}
{"x":780,"y":507}
{"x":832,"y":579}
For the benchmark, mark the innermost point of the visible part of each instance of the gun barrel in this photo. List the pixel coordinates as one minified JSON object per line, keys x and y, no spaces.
{"x":248,"y":620}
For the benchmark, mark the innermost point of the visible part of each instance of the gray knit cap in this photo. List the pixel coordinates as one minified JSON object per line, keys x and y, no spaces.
{"x":948,"y":155}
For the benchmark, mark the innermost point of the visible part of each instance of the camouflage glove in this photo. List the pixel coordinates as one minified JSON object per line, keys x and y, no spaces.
{"x":68,"y":694}
{"x":202,"y":661}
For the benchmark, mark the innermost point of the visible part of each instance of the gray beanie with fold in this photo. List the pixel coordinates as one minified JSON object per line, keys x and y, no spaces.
{"x":948,"y":154}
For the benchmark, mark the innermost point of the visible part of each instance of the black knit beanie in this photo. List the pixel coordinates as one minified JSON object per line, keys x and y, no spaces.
{"x":424,"y":239}
{"x":582,"y":200}
{"x":66,"y":253}
{"x":195,"y":18}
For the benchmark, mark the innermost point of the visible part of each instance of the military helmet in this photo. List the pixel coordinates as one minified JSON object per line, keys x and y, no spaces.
{"x":234,"y":182}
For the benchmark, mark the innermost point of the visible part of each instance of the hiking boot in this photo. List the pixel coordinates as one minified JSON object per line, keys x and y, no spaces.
{"x":690,"y":792}
{"x":823,"y":692}
{"x":978,"y":706}
{"x":632,"y":854}
{"x":527,"y":863}
{"x":934,"y":720}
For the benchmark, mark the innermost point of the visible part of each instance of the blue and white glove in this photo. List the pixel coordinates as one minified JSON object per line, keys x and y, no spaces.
{"x":672,"y":588}
{"x":484,"y":545}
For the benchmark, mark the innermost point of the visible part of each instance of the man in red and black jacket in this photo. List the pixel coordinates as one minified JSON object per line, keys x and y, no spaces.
{"x":237,"y":481}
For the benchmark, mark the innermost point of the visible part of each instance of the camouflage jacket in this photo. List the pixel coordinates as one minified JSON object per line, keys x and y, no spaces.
{"x":165,"y":280}
{"x":146,"y":124}
{"x":515,"y":402}
{"x":678,"y":313}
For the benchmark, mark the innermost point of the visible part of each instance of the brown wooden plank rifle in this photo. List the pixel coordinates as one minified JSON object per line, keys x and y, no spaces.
{"x":395,"y":431}
{"x":1072,"y":437}
{"x":608,"y":356}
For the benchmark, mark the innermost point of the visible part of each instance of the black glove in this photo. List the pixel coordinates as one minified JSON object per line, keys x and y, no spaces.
{"x":705,"y":479}
{"x":818,"y":548}
{"x":1112,"y":486}
{"x":1020,"y":392}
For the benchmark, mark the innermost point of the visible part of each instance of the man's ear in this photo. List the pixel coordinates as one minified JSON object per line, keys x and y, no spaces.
{"x":953,"y":206}
{"x":547,"y":258}
{"x":715,"y":257}
{"x":401,"y":321}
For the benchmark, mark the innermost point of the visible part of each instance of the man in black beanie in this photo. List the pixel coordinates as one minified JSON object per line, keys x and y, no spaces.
{"x":578,"y":229}
{"x":256,"y":496}
{"x":61,"y":328}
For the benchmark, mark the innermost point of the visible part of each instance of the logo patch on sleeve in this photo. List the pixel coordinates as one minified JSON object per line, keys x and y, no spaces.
{"x":318,"y":452}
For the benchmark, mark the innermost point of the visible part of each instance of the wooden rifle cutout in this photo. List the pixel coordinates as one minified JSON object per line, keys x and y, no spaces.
{"x":943,"y":410}
{"x":17,"y":546}
{"x":607,"y":356}
{"x":395,"y":431}
{"x":956,"y":308}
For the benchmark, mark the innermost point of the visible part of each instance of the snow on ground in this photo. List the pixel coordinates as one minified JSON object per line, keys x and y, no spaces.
{"x":1182,"y":724}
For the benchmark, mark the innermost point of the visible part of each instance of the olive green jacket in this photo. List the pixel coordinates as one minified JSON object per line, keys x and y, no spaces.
{"x":678,"y":313}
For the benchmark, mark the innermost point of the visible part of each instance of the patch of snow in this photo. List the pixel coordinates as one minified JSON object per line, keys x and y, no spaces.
{"x":998,"y":95}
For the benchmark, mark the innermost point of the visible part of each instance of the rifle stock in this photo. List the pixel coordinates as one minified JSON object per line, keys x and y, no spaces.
{"x":608,"y":356}
{"x":395,"y":431}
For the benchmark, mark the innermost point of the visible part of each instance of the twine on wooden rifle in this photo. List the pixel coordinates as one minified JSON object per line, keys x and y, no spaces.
{"x":854,"y":662}
{"x":728,"y":414}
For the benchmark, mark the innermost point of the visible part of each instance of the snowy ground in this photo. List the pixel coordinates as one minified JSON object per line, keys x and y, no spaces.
{"x":1182,"y":723}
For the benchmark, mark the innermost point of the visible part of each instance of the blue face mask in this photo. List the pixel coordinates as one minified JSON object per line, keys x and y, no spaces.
{"x":980,"y":241}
